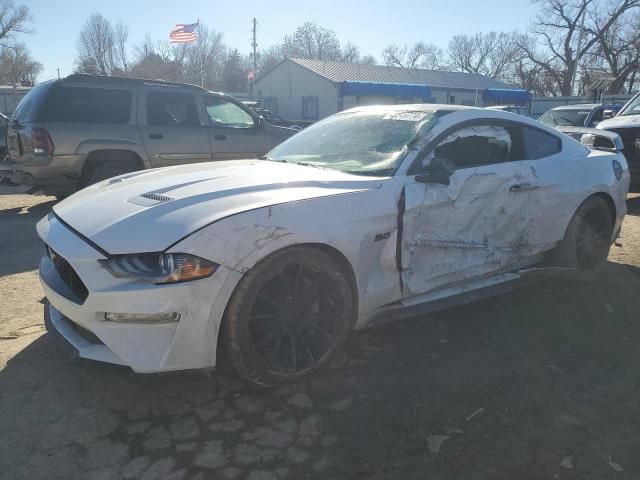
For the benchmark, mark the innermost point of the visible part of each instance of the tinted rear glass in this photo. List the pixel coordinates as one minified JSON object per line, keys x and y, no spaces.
{"x":86,"y":105}
{"x":539,"y":144}
{"x":30,"y":103}
{"x":172,"y":109}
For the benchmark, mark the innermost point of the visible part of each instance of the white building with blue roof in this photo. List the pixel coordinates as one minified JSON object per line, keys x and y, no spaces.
{"x":308,"y":90}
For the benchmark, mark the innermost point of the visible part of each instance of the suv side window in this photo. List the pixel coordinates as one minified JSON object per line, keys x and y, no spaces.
{"x":476,"y":145}
{"x":539,"y":144}
{"x":67,"y":104}
{"x":172,"y":109}
{"x":224,"y":113}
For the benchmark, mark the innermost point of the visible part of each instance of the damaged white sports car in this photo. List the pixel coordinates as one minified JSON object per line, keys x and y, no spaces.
{"x":371,"y":214}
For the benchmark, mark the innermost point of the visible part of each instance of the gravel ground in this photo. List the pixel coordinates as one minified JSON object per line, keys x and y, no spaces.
{"x":540,"y":383}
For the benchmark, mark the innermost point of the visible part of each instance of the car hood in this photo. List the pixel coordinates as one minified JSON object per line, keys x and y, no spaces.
{"x":624,"y":121}
{"x":150,"y":210}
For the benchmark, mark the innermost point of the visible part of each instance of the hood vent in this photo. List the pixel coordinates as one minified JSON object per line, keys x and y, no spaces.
{"x":150,"y":199}
{"x":156,"y":197}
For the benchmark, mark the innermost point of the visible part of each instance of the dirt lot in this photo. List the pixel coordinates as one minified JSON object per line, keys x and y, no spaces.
{"x":543,"y":383}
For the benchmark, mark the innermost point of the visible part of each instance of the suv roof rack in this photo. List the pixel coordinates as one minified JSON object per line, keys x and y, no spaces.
{"x":86,"y":78}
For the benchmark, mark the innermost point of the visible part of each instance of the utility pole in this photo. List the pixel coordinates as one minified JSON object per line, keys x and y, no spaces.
{"x":58,"y":73}
{"x":254,"y":44}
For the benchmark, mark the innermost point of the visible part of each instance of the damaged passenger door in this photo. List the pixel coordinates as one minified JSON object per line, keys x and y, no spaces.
{"x":473,"y":221}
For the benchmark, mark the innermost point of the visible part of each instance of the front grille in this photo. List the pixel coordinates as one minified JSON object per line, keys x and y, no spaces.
{"x":68,"y":275}
{"x":629,"y":136}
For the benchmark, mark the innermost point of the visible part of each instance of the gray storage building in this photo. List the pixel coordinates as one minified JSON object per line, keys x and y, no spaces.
{"x":308,"y":90}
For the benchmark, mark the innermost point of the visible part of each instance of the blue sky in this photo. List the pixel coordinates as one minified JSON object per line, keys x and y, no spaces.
{"x":371,"y":25}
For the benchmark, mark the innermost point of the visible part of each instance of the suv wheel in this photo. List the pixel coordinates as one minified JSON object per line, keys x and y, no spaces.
{"x":107,"y":170}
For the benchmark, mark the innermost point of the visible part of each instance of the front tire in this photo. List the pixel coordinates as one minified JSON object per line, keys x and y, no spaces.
{"x":586,"y":244}
{"x":288,"y":316}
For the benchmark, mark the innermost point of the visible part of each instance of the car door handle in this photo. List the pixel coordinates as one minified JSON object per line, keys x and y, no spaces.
{"x":523,"y":187}
{"x":155,"y":136}
{"x":220,"y":137}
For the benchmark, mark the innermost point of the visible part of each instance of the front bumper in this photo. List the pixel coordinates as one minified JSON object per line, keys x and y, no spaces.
{"x":189,"y":343}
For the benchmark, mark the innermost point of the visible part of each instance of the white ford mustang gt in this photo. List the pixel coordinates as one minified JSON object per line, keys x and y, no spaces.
{"x":369,"y":215}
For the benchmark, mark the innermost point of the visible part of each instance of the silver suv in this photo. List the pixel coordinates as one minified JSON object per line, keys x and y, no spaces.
{"x":73,"y":132}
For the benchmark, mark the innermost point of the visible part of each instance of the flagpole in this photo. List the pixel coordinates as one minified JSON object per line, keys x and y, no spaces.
{"x":201,"y":60}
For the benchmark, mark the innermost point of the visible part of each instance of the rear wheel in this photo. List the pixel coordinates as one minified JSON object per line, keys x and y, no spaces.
{"x":288,"y":315}
{"x":586,"y":244}
{"x":106,"y":170}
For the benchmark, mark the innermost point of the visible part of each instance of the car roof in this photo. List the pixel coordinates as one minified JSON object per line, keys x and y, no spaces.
{"x":455,"y":113}
{"x":414,"y":107}
{"x":583,"y":106}
{"x":86,"y":79}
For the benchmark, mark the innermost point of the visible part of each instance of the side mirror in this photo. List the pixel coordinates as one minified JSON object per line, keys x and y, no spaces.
{"x":439,"y":170}
{"x":608,"y":114}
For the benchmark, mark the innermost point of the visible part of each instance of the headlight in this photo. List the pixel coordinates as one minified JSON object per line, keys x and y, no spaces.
{"x":159,"y":268}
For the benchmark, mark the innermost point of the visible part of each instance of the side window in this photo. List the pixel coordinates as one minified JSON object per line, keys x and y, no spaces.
{"x":223,"y":113}
{"x":172,"y":109}
{"x":476,"y":146}
{"x":539,"y":144}
{"x":310,"y":108}
{"x":67,"y":104}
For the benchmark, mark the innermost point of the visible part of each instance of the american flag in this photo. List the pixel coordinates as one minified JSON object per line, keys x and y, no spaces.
{"x":183,"y":33}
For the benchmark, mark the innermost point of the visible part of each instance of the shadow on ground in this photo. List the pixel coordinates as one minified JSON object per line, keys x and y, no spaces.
{"x":633,"y":205}
{"x":502,"y":389}
{"x":20,"y":246}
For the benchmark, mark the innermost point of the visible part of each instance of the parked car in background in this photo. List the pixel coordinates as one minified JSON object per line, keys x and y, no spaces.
{"x":584,"y":115}
{"x":627,"y":124}
{"x":70,"y":133}
{"x":369,"y":215}
{"x":520,"y":110}
{"x":275,"y":119}
{"x":4,"y":125}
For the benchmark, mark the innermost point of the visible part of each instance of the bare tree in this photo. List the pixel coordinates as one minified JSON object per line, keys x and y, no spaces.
{"x":567,"y":30}
{"x":17,"y":67}
{"x":368,"y":60}
{"x":490,"y":54}
{"x":202,"y":61}
{"x":13,"y":20}
{"x":120,"y":37}
{"x":616,"y":54}
{"x":96,"y":46}
{"x":420,"y":55}
{"x":312,"y":41}
{"x":350,"y":53}
{"x":269,"y":58}
{"x":154,"y":60}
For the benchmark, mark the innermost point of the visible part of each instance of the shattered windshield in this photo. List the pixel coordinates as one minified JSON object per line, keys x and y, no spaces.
{"x":365,"y":143}
{"x":565,"y":118}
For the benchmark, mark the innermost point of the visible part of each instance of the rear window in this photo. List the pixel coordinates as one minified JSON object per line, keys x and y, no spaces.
{"x":539,"y":144}
{"x":67,"y":104}
{"x":26,"y":110}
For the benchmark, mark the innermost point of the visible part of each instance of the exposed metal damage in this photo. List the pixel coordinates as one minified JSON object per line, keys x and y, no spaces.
{"x":404,"y":237}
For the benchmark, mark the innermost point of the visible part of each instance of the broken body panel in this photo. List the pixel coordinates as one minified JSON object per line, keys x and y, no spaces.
{"x":406,"y":242}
